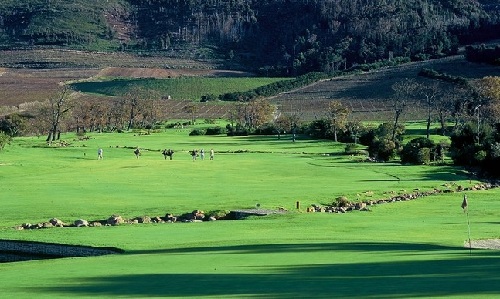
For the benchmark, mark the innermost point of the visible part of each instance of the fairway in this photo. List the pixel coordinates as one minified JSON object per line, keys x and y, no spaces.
{"x":396,"y":250}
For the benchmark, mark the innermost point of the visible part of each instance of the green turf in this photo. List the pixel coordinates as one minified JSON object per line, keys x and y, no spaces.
{"x":397,"y":250}
{"x":177,"y":88}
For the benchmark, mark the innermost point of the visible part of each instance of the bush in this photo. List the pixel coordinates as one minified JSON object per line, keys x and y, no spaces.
{"x":383,"y":149}
{"x":350,"y":149}
{"x":197,"y":132}
{"x":4,"y":140}
{"x":267,"y":129}
{"x":418,"y":151}
{"x":424,"y":155}
{"x":237,"y":130}
{"x":214,"y":131}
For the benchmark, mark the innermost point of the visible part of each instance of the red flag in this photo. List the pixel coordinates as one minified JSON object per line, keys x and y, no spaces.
{"x":464,"y":203}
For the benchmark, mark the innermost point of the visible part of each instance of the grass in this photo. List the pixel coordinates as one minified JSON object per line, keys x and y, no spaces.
{"x":406,"y":249}
{"x":178,"y":88}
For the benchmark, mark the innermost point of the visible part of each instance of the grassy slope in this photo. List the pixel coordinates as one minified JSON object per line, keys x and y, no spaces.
{"x":407,"y":249}
{"x":180,"y":88}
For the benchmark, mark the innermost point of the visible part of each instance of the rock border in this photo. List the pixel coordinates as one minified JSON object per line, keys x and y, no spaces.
{"x":343,"y":205}
{"x":194,"y":216}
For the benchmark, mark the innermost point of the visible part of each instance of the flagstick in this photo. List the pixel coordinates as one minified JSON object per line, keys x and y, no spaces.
{"x":465,"y":206}
{"x":468,"y":228}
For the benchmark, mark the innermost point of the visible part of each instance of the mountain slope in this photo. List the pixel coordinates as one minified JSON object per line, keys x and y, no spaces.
{"x":281,"y":36}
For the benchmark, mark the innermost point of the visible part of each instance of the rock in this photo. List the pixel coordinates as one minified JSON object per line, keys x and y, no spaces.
{"x":143,"y":219}
{"x":360,"y":205}
{"x":198,"y":215}
{"x":170,"y":217}
{"x":156,"y":219}
{"x":56,"y":222}
{"x":115,"y":220}
{"x":46,"y":225}
{"x":81,"y":222}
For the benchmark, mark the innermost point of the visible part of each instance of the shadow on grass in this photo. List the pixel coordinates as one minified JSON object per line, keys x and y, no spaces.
{"x":458,"y":274}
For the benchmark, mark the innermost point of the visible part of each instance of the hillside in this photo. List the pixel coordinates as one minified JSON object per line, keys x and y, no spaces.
{"x":367,"y":94}
{"x":276,"y":36}
{"x":364,"y":93}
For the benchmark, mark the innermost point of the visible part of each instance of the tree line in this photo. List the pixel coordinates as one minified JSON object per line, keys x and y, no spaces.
{"x":467,"y":111}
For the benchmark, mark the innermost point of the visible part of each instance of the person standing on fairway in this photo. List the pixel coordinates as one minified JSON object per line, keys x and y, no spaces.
{"x":212,"y":154}
{"x":99,"y":154}
{"x":137,"y":152}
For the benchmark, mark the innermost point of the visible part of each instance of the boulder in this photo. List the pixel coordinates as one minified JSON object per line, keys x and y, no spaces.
{"x":81,"y":222}
{"x":170,"y":218}
{"x":156,"y":219}
{"x":56,"y":222}
{"x":46,"y":225}
{"x":360,"y":205}
{"x":115,"y":220}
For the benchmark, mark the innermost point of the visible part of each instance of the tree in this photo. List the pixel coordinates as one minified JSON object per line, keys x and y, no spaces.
{"x":191,"y":109}
{"x":488,"y":91}
{"x":55,"y":109}
{"x":282,"y":123}
{"x":132,"y":99}
{"x":337,"y":114}
{"x":404,"y":92}
{"x":429,"y":95}
{"x":254,"y":113}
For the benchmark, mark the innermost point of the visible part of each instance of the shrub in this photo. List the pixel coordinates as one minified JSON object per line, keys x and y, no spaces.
{"x":237,"y":130}
{"x":418,"y":151}
{"x":350,"y":149}
{"x":424,"y":155}
{"x":214,"y":131}
{"x":382,"y":149}
{"x":267,"y":129}
{"x":197,"y":132}
{"x":4,"y":140}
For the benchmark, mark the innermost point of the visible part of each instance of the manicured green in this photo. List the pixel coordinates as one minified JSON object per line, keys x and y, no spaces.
{"x":397,"y":250}
{"x":177,"y":88}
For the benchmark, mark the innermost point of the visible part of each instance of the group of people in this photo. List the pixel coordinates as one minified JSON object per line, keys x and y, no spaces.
{"x":167,"y":153}
{"x":201,"y":153}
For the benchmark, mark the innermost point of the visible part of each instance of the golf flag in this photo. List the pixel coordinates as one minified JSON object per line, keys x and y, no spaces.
{"x":464,"y":203}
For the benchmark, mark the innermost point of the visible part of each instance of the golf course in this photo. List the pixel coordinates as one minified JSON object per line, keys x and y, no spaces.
{"x":404,"y":249}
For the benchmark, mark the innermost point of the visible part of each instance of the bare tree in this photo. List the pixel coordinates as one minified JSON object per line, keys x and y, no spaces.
{"x":54,"y":111}
{"x":404,"y":92}
{"x":191,"y":109}
{"x":429,"y":95}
